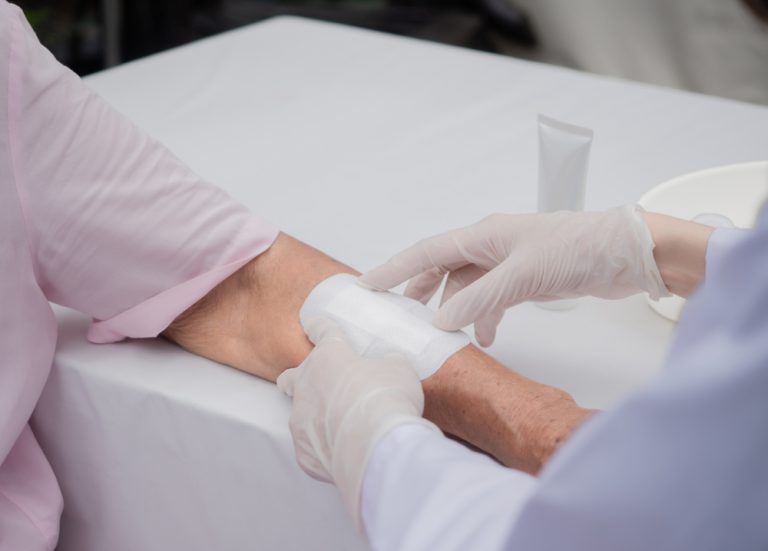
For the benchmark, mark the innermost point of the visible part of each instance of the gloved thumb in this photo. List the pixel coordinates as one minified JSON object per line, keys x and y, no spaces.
{"x":317,"y":330}
{"x":287,"y":380}
{"x":320,"y":329}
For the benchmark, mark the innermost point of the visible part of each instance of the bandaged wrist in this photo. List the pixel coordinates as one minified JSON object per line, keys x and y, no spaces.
{"x":381,"y":323}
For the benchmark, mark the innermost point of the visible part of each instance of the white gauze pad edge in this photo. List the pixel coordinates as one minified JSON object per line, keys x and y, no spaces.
{"x":378,"y":323}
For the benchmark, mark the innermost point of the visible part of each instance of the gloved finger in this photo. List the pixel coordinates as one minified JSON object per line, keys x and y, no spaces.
{"x":458,"y":279}
{"x":320,"y":329}
{"x":307,"y":450}
{"x":286,"y":382}
{"x":409,"y":384}
{"x":445,"y":251}
{"x":424,"y":286}
{"x":485,"y":327}
{"x":314,"y":468}
{"x":492,"y":291}
{"x":333,"y":350}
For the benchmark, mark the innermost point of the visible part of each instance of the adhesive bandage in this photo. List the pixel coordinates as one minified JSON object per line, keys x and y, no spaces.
{"x":378,"y":323}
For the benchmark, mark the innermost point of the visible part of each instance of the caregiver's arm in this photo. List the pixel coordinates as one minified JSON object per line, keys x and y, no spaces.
{"x":506,"y":259}
{"x":251,"y":322}
{"x":679,"y":252}
{"x":644,"y":476}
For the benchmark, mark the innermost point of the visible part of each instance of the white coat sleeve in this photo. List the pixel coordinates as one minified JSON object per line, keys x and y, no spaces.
{"x":423,"y":491}
{"x":678,"y":465}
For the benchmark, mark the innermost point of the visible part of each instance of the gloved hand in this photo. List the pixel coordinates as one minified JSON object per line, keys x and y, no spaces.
{"x":343,"y":404}
{"x":506,"y":259}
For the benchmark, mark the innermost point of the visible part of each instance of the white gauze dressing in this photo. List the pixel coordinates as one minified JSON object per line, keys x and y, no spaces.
{"x":379,"y":323}
{"x":563,"y":163}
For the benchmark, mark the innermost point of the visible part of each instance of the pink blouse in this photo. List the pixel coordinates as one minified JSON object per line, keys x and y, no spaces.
{"x":96,"y":216}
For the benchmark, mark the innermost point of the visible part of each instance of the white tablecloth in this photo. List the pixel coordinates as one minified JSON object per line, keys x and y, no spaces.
{"x":358,"y":143}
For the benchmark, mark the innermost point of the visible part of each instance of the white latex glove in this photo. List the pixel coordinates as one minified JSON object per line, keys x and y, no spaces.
{"x":506,"y":259}
{"x":343,"y":404}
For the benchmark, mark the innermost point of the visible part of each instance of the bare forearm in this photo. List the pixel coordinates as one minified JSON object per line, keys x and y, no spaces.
{"x":251,"y":322}
{"x":680,"y":251}
{"x":518,"y":421}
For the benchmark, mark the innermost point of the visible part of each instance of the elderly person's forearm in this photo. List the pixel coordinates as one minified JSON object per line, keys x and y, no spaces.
{"x":251,"y":322}
{"x":517,"y":420}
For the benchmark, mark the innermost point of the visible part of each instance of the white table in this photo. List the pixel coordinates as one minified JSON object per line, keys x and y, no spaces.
{"x":358,"y":143}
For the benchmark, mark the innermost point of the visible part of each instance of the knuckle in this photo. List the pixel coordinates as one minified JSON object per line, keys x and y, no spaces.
{"x":494,"y":218}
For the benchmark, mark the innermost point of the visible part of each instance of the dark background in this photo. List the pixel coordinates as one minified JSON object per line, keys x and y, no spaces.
{"x":78,"y":32}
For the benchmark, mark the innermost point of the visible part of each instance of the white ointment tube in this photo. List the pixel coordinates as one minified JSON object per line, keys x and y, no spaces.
{"x":563,"y":164}
{"x":379,"y":323}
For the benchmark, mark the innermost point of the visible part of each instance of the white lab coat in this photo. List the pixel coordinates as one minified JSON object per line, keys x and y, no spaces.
{"x":681,"y":464}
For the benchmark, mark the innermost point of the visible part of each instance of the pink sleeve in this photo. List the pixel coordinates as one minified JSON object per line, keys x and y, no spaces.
{"x":120,"y":229}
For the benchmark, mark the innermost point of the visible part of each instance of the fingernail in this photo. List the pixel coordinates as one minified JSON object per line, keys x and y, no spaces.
{"x":365,"y":285}
{"x":441,"y":323}
{"x":416,"y":295}
{"x":485,"y":340}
